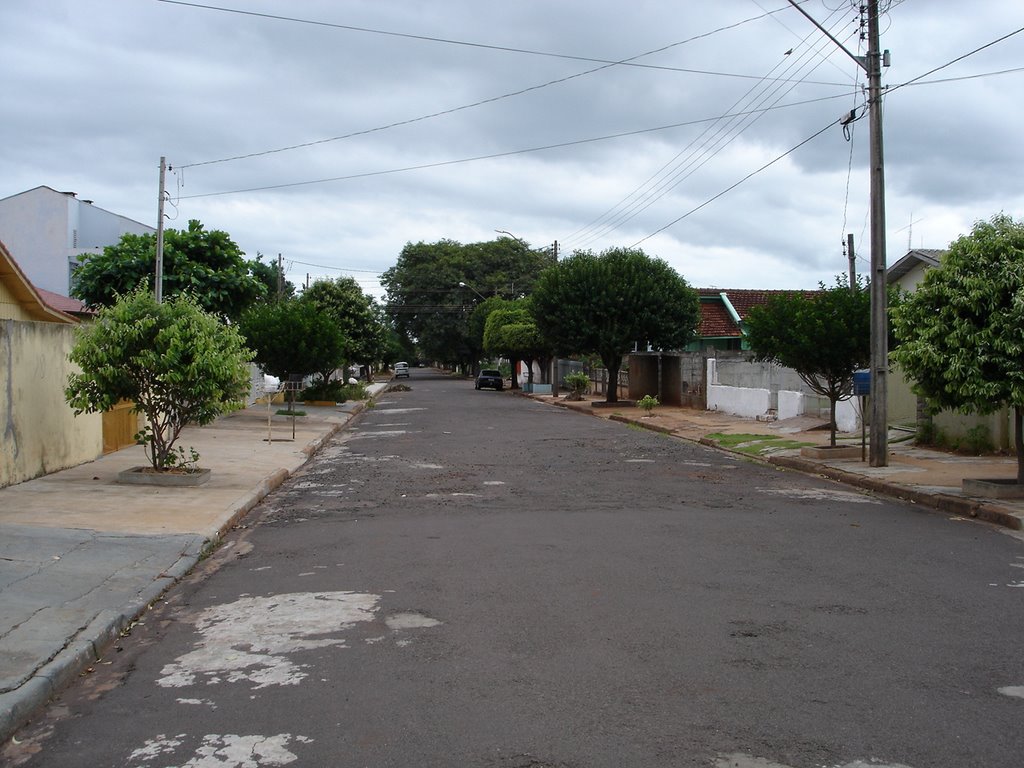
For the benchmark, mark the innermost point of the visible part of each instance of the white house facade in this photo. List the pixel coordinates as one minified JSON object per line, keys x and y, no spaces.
{"x":50,"y":230}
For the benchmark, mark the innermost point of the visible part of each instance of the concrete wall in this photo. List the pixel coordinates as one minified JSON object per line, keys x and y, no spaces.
{"x":754,"y":401}
{"x":33,"y":226}
{"x":48,"y":231}
{"x":40,"y":432}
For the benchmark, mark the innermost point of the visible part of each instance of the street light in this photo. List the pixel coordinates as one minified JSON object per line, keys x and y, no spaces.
{"x":519,"y":239}
{"x":474,"y":290}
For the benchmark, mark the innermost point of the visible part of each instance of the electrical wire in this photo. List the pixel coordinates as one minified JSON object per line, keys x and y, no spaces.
{"x":730,"y":188}
{"x":694,"y":156}
{"x":605,"y":64}
{"x":495,"y":155}
{"x":957,"y":59}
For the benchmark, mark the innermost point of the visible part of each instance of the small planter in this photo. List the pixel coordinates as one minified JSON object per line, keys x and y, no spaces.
{"x":329,"y":403}
{"x":828,"y":452}
{"x":146,"y":476}
{"x":993,"y":489}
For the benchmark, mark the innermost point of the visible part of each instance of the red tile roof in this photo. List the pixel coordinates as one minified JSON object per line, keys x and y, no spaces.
{"x":717,"y":322}
{"x":63,"y":303}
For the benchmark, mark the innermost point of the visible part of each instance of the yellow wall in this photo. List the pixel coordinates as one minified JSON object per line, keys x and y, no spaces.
{"x":9,"y":305}
{"x":39,"y":432}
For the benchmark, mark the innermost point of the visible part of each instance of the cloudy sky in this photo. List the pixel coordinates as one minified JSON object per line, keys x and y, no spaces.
{"x":335,"y":131}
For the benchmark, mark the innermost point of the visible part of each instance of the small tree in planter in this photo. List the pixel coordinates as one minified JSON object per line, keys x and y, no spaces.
{"x":578,"y":382}
{"x":177,"y":363}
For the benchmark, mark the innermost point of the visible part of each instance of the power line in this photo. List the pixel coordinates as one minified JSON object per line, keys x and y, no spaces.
{"x":605,"y":64}
{"x":694,"y":156}
{"x":958,"y":58}
{"x":733,"y":186}
{"x":492,"y":156}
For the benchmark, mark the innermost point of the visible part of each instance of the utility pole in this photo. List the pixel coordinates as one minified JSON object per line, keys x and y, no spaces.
{"x":853,"y":263}
{"x":158,"y":280}
{"x":879,"y":447}
{"x":872,"y":65}
{"x":280,"y":278}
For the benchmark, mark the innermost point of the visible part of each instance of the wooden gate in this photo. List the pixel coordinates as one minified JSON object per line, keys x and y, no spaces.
{"x":120,"y":424}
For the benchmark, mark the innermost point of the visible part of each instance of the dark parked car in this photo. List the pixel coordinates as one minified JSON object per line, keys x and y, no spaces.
{"x":489,"y":379}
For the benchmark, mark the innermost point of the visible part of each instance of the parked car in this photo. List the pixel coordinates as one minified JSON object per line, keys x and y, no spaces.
{"x":401,"y":369}
{"x":490,"y":380}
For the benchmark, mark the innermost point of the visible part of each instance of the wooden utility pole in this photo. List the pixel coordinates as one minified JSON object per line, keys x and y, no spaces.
{"x":158,"y":278}
{"x":853,"y":263}
{"x":280,"y":278}
{"x":879,"y":453}
{"x":872,"y":65}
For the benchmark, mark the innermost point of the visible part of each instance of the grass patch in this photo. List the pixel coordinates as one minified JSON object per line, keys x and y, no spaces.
{"x":755,"y":445}
{"x":286,"y":412}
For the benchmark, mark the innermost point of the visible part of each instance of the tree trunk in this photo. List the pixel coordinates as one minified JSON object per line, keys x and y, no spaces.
{"x":612,"y":365}
{"x":832,"y":420}
{"x":1018,"y":440}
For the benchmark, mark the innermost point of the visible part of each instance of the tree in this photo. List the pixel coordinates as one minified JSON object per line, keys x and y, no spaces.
{"x":512,"y":331}
{"x":606,"y":303}
{"x":208,"y":265}
{"x":823,"y":336}
{"x":962,"y":331}
{"x":434,"y":287}
{"x":177,"y":363}
{"x":343,"y":301}
{"x":477,"y":326}
{"x":293,"y":337}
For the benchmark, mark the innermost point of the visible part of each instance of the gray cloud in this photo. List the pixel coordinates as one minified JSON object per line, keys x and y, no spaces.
{"x":97,"y":92}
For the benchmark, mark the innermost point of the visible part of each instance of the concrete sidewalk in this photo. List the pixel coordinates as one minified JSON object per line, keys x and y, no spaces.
{"x":82,"y":556}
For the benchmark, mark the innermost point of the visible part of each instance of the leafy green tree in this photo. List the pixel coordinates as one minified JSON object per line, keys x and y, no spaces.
{"x":343,"y":301}
{"x":823,"y":336}
{"x":604,"y":303}
{"x":512,"y":331}
{"x":177,"y":363}
{"x":209,"y":265}
{"x":962,"y":330}
{"x":478,"y":323}
{"x":293,"y":337}
{"x":434,"y":287}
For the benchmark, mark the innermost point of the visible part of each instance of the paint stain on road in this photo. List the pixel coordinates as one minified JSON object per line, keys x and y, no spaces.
{"x":820,"y":494}
{"x":1016,"y":691}
{"x":249,"y":640}
{"x":224,"y":751}
{"x":739,"y":760}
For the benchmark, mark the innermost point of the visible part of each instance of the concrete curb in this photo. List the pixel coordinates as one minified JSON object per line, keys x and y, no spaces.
{"x":17,"y":707}
{"x":956,"y":505}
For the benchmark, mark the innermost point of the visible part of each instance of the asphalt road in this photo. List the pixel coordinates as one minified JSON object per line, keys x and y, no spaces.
{"x":469,"y":578}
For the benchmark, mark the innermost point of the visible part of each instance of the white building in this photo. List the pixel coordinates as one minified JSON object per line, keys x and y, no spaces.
{"x":47,"y":231}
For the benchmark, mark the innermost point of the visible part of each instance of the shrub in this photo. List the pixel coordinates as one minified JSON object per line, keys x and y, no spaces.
{"x":175,"y":362}
{"x":648,"y":403}
{"x":578,"y":383}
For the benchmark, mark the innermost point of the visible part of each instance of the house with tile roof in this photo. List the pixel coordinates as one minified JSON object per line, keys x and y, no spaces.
{"x":723,"y":313}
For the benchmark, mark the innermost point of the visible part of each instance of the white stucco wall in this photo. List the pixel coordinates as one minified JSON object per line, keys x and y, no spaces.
{"x":752,"y":402}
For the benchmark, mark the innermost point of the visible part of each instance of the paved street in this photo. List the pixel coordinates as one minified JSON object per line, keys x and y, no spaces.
{"x":466,"y":578}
